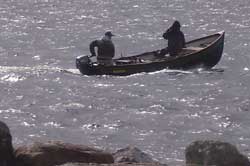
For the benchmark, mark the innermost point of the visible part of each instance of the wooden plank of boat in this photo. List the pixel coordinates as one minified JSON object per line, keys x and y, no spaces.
{"x":205,"y":51}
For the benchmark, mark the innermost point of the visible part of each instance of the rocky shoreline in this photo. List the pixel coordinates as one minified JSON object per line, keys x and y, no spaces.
{"x":56,"y":153}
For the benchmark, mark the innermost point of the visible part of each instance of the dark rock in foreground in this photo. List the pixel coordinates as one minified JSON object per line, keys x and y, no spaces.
{"x":6,"y":148}
{"x":132,"y":155}
{"x":129,"y":156}
{"x":216,"y":153}
{"x":115,"y":164}
{"x":56,"y":153}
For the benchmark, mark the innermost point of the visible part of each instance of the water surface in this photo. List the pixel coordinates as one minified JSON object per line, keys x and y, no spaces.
{"x":43,"y":96}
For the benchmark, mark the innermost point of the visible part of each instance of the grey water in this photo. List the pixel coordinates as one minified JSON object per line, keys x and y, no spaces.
{"x":44,"y":97}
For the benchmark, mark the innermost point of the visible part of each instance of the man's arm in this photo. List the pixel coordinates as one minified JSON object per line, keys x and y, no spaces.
{"x":92,"y":47}
{"x":166,"y":34}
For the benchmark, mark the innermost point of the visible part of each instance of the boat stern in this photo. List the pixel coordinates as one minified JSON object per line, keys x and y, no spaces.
{"x":82,"y":63}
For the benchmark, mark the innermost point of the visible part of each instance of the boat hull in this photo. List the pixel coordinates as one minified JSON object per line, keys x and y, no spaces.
{"x":206,"y":57}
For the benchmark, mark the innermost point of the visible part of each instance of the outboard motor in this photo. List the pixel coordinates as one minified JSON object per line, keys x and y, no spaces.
{"x":82,"y":63}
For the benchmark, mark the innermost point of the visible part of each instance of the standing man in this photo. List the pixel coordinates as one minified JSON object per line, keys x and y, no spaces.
{"x":176,"y":39}
{"x":105,"y":49}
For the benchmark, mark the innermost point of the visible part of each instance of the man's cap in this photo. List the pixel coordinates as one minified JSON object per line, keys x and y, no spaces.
{"x":109,"y":34}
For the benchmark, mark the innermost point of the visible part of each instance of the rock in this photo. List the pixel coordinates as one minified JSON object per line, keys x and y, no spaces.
{"x":217,"y":153}
{"x":6,"y":148}
{"x":56,"y":153}
{"x":115,"y":164}
{"x":129,"y":156}
{"x":133,"y":155}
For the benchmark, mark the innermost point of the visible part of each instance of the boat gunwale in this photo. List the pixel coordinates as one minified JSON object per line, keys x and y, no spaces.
{"x":169,"y":59}
{"x":221,"y":34}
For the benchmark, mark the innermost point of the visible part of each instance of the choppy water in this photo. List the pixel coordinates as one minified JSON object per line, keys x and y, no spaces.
{"x":43,"y":96}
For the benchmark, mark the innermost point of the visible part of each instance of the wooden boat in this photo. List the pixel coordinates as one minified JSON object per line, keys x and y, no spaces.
{"x":204,"y":52}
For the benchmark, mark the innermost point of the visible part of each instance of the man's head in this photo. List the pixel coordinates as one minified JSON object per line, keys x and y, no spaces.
{"x":176,"y":25}
{"x":109,"y":34}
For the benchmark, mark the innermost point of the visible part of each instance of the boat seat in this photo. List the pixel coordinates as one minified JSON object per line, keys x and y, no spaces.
{"x":193,"y":48}
{"x":189,"y":50}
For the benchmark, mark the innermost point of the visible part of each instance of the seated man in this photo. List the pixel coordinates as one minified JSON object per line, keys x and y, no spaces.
{"x":105,"y":49}
{"x":176,"y":39}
